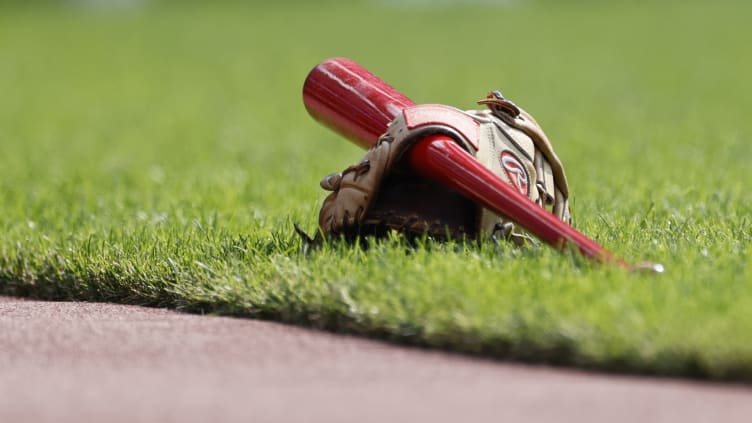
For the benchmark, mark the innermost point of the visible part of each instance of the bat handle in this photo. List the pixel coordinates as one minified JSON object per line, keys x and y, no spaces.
{"x":439,"y":158}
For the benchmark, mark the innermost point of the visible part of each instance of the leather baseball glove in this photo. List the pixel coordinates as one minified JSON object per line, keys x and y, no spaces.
{"x":381,"y":193}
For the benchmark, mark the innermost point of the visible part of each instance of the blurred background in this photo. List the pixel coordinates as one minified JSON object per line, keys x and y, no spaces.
{"x":646,"y":102}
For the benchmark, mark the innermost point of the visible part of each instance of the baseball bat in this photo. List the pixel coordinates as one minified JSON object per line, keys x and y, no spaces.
{"x":358,"y":105}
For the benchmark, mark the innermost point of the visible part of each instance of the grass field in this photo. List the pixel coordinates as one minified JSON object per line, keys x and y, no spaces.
{"x":159,"y":153}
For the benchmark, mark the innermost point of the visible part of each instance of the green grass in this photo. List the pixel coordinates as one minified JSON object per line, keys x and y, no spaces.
{"x":159,"y":155}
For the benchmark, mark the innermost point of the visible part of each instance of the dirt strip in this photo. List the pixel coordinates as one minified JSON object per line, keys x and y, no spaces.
{"x":76,"y":362}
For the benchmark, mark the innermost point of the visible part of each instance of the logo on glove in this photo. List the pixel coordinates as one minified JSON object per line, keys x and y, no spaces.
{"x":515,"y":171}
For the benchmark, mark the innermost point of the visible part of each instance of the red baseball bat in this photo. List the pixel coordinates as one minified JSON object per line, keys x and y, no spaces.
{"x":353,"y":102}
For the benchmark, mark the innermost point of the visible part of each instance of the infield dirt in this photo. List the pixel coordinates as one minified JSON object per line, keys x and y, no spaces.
{"x":69,"y":361}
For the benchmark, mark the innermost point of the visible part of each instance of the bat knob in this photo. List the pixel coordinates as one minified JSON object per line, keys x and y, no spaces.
{"x":647,"y":267}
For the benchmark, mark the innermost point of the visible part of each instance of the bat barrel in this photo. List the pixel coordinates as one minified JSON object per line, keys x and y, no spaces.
{"x":352,"y":101}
